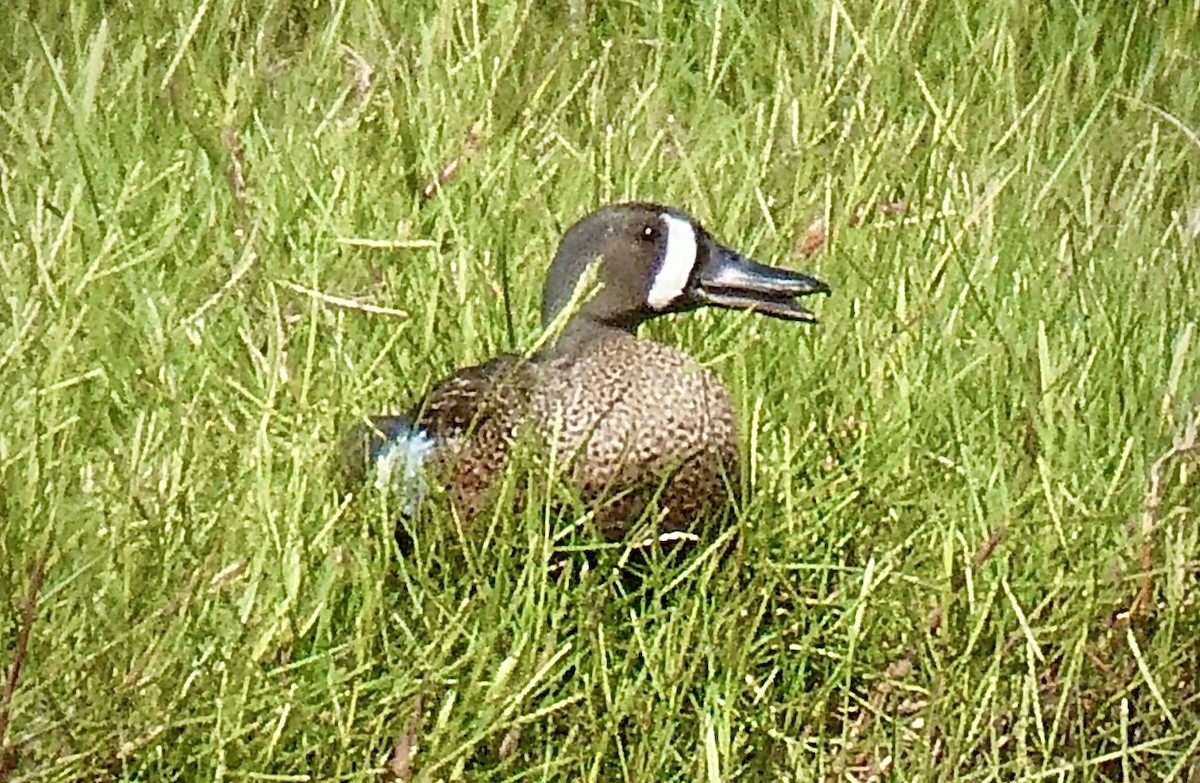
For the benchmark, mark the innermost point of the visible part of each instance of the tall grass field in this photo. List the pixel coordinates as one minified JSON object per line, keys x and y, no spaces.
{"x":969,"y":546}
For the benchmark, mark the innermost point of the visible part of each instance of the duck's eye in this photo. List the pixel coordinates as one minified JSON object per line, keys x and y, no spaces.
{"x":649,"y":234}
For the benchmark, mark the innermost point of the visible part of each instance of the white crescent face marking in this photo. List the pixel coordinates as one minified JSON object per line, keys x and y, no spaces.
{"x":677,"y":263}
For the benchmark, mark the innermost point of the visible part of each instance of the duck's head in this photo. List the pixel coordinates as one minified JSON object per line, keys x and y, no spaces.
{"x":655,"y":260}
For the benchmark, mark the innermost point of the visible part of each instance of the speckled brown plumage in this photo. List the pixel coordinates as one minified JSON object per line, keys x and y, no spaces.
{"x":633,"y":416}
{"x":625,"y":417}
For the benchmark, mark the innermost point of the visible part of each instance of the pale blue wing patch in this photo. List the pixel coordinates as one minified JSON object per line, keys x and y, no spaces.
{"x":398,"y":460}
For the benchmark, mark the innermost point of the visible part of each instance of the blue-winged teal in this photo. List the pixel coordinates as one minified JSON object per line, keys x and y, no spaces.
{"x":626,"y":417}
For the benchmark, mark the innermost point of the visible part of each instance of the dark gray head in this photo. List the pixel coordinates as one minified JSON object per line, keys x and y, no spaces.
{"x":656,"y":260}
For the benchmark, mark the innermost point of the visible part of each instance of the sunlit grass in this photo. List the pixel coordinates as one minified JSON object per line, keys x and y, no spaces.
{"x":933,"y":574}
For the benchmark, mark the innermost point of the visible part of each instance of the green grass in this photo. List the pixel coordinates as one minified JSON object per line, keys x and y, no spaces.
{"x":1006,"y":358}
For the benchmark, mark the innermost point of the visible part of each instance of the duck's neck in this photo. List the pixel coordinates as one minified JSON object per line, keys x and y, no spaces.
{"x":584,"y":328}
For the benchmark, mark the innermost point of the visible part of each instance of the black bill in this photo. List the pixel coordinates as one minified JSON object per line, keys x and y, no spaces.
{"x":726,"y":278}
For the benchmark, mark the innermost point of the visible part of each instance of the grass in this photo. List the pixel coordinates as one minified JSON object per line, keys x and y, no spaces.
{"x":935,"y":576}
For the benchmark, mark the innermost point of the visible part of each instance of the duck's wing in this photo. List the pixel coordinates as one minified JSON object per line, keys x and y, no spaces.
{"x":468,"y":398}
{"x":458,"y":434}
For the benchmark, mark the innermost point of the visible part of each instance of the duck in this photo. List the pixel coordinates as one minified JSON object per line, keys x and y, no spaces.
{"x":630,"y":422}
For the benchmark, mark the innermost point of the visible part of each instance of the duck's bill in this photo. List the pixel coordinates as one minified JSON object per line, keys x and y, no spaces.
{"x":728,"y":279}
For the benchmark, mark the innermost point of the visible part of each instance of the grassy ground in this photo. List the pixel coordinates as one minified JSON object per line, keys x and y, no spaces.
{"x":956,"y":500}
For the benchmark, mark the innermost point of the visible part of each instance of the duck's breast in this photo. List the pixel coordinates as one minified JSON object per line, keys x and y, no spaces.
{"x":628,"y":412}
